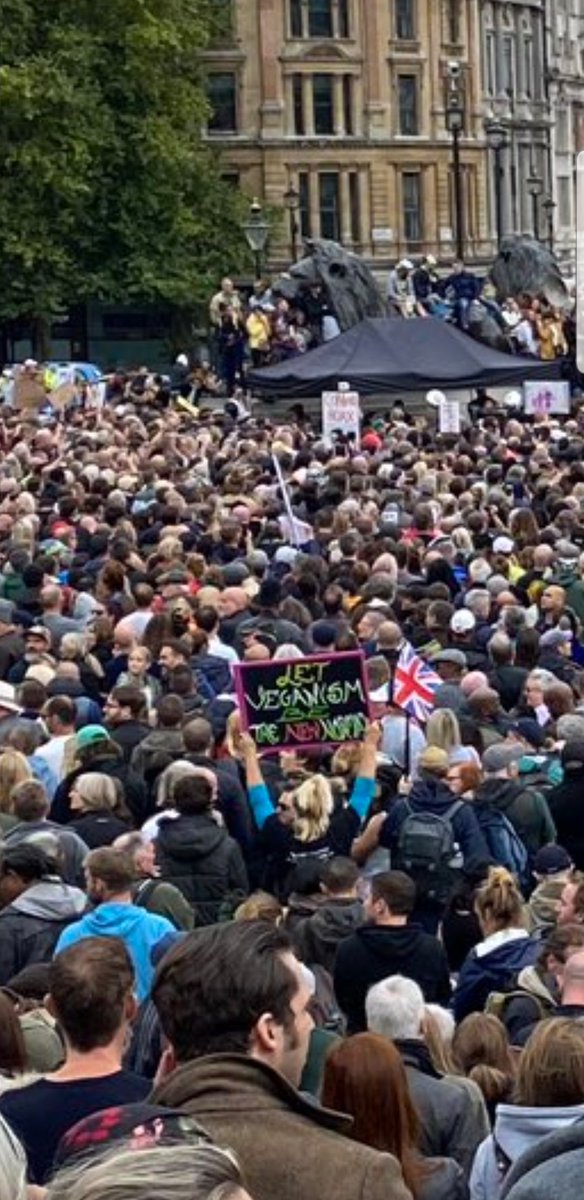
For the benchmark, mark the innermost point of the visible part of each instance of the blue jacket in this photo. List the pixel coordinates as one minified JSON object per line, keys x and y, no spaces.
{"x":432,"y":795}
{"x":138,"y":929}
{"x":494,"y":971}
{"x":465,"y":286}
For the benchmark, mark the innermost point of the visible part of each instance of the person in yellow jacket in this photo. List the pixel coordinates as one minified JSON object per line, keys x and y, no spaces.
{"x":258,"y":329}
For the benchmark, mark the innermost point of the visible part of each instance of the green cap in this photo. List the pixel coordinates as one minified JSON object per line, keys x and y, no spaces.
{"x":90,"y":735}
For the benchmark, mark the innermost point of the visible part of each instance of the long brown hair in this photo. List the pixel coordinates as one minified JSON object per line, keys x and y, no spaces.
{"x":13,"y":1056}
{"x":551,"y":1067}
{"x":365,"y":1077}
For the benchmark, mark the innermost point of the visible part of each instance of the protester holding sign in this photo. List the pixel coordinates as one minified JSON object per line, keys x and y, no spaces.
{"x":306,"y":826}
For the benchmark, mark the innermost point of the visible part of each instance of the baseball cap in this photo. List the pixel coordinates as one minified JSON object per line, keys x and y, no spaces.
{"x":433,"y":759}
{"x":456,"y":657}
{"x":503,"y":545}
{"x":90,"y":735}
{"x":500,"y":756}
{"x":463,"y":621}
{"x":566,"y":551}
{"x":235,"y":573}
{"x":323,"y":633}
{"x":550,"y":860}
{"x":40,"y":631}
{"x":555,"y":637}
{"x":531,"y":732}
{"x":286,"y":555}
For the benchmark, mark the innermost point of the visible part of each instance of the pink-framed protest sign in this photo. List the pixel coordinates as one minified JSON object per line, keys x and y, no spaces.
{"x":298,"y":703}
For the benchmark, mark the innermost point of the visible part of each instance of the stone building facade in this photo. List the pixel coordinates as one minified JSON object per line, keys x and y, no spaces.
{"x":344,"y":101}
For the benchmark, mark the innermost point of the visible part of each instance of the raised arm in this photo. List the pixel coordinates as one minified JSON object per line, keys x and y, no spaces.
{"x":257,"y":792}
{"x":364,"y":785}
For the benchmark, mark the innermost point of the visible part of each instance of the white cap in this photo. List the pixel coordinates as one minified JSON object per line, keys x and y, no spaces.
{"x":463,"y":621}
{"x":503,"y":545}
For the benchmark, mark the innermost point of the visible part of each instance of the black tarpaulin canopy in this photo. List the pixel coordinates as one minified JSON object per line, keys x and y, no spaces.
{"x":384,"y":354}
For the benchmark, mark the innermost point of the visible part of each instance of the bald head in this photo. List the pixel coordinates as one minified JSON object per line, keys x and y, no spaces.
{"x":233,"y":600}
{"x":543,"y":557}
{"x":573,"y":979}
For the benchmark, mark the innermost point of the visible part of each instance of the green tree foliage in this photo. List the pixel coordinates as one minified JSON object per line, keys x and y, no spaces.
{"x":107,"y":189}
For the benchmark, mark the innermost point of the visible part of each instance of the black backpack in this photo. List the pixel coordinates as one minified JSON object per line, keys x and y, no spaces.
{"x":428,"y":852}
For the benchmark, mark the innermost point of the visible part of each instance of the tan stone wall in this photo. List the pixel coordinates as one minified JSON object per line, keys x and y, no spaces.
{"x":269,"y":156}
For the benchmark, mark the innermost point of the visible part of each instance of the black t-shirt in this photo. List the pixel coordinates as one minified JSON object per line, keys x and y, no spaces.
{"x":42,"y":1112}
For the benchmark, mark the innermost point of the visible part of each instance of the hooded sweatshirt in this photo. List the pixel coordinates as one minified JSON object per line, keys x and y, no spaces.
{"x":375,"y":951}
{"x":493,"y":966}
{"x":138,"y":929}
{"x":517,"y":1129}
{"x":200,"y":858}
{"x":31,"y":925}
{"x":317,"y":938}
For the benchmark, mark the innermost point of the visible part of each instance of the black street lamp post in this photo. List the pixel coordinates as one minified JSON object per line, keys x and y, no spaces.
{"x":292,"y":202}
{"x":256,"y":230}
{"x":549,"y":204}
{"x":497,"y":141}
{"x":535,"y":189}
{"x":455,"y":107}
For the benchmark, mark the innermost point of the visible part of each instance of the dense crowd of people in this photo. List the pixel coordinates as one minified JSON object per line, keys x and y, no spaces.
{"x":342,"y":971}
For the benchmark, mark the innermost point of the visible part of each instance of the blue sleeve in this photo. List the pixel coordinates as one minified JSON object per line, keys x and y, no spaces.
{"x":467,"y":830}
{"x":261,"y":804}
{"x":362,"y":795}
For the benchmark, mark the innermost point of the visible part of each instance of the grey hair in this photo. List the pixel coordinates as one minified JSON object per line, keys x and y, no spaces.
{"x":478,"y":601}
{"x":179,"y":1171}
{"x":570,"y":725}
{"x":395,"y":1008}
{"x":97,"y":790}
{"x":543,"y":678}
{"x":12,"y":1165}
{"x":169,"y":778}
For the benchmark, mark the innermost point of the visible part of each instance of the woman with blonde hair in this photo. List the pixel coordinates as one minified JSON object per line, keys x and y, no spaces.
{"x":100,"y":815}
{"x":506,"y":947}
{"x":14,"y":769}
{"x":305,"y":823}
{"x":548,"y":1096}
{"x":443,"y":730}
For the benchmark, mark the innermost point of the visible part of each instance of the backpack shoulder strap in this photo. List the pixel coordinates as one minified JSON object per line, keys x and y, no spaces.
{"x":144,"y":891}
{"x":454,"y":808}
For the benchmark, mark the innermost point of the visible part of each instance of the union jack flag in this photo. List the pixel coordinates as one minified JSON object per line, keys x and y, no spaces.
{"x":414,"y":684}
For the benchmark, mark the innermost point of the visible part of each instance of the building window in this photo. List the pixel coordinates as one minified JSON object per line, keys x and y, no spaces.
{"x":344,"y":23}
{"x":221,"y":93}
{"x":405,"y":25}
{"x":348,"y":105}
{"x":408,"y":104}
{"x":322,"y":99}
{"x":328,"y":201}
{"x":298,"y":101}
{"x":490,"y":63}
{"x":231,"y":179}
{"x":320,"y":18}
{"x":304,"y":204}
{"x":296,"y":18}
{"x":355,"y":214}
{"x":565,"y":201}
{"x":412,"y":207}
{"x":508,"y":65}
{"x":528,"y":65}
{"x":453,"y":22}
{"x":222,"y":29}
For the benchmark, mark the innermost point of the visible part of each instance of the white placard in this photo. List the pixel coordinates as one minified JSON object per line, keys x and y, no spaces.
{"x":542,"y":399}
{"x":449,"y":416}
{"x":341,"y":413}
